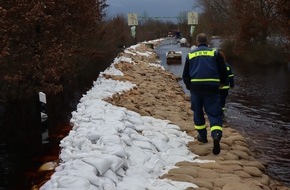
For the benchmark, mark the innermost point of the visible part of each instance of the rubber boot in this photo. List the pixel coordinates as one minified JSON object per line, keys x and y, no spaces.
{"x":202,"y":136}
{"x":216,"y":136}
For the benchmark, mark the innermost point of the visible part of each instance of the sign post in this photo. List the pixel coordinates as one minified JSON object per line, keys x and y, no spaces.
{"x":133,"y":22}
{"x":192,"y":22}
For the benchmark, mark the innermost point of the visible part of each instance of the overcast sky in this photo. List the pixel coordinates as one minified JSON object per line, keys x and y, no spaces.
{"x":154,"y":8}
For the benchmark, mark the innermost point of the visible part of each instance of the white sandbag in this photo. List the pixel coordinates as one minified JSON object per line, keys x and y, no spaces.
{"x":144,"y":144}
{"x":123,"y":59}
{"x":104,"y":130}
{"x":47,"y":185}
{"x":117,"y":150}
{"x":111,"y":175}
{"x":172,"y":135}
{"x":83,"y":144}
{"x":172,"y":126}
{"x":126,"y":139}
{"x":114,"y":123}
{"x":132,"y":183}
{"x":137,"y":136}
{"x":129,"y":124}
{"x":92,"y":177}
{"x":155,"y":134}
{"x":85,"y":119}
{"x":65,"y":155}
{"x":106,"y":183}
{"x":150,"y":121}
{"x":112,"y":71}
{"x":117,"y":162}
{"x":79,"y":165}
{"x":93,"y":108}
{"x":67,"y":141}
{"x":120,"y":172}
{"x":172,"y":159}
{"x":93,"y":136}
{"x":135,"y":120}
{"x":101,"y":164}
{"x":129,"y":131}
{"x":173,"y":132}
{"x":58,"y":168}
{"x":77,"y":155}
{"x":178,"y":151}
{"x":115,"y":114}
{"x":141,"y":128}
{"x":73,"y":182}
{"x":155,"y":164}
{"x":136,"y":155}
{"x":69,"y":188}
{"x":132,"y":114}
{"x":174,"y":143}
{"x":160,"y":144}
{"x":109,"y":140}
{"x":92,"y":187}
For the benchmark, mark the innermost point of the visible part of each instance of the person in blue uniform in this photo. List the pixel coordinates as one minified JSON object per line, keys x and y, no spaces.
{"x":225,"y":89}
{"x":204,"y":74}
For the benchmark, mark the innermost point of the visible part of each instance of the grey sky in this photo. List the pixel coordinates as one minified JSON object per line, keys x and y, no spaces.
{"x":154,"y":8}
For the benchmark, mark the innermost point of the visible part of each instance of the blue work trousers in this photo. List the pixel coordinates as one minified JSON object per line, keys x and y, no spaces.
{"x":210,"y":102}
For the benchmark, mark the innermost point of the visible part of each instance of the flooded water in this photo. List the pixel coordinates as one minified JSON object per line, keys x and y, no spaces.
{"x":258,"y":107}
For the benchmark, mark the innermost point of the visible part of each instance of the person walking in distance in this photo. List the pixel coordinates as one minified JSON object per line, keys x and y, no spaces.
{"x":225,"y":89}
{"x":204,"y":74}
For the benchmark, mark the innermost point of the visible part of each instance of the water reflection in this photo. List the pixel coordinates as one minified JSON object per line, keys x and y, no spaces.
{"x":262,"y":98}
{"x":258,"y":107}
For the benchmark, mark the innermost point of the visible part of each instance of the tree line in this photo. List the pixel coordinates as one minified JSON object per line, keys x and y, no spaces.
{"x":258,"y":27}
{"x":41,"y":40}
{"x":44,"y":43}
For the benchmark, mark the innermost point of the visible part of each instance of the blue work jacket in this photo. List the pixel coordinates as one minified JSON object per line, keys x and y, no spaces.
{"x":204,"y":70}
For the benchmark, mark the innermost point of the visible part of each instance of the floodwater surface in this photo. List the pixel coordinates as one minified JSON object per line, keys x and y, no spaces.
{"x":258,"y":107}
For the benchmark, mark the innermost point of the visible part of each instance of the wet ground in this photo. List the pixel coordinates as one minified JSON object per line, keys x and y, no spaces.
{"x":258,"y":107}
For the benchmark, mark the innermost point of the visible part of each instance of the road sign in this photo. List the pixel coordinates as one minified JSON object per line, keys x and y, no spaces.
{"x":192,"y":18}
{"x":132,"y":19}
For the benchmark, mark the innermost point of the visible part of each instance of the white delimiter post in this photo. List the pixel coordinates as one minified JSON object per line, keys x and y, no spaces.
{"x":43,"y":116}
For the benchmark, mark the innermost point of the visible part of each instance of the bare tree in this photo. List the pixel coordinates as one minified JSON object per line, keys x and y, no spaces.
{"x":251,"y":23}
{"x":256,"y":18}
{"x":217,"y":17}
{"x":40,"y":41}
